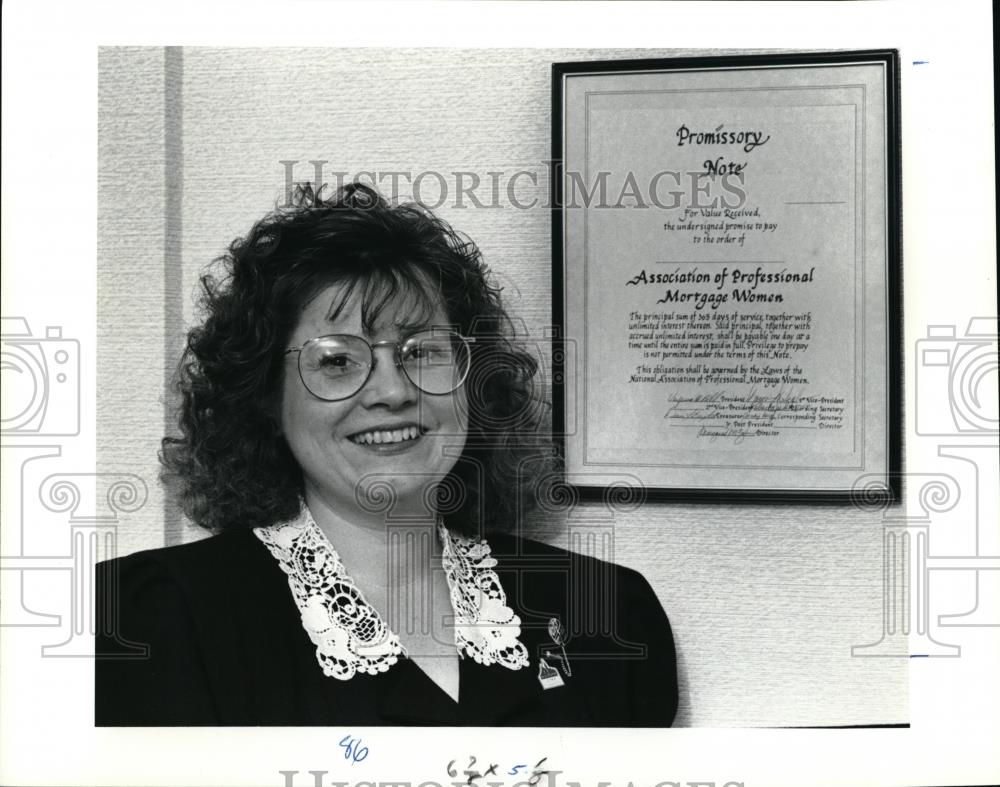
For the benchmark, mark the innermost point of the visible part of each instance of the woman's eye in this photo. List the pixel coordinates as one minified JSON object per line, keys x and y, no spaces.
{"x":337,"y":364}
{"x":431,"y":353}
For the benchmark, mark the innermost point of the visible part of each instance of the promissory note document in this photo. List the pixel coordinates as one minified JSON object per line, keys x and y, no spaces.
{"x":728,"y":274}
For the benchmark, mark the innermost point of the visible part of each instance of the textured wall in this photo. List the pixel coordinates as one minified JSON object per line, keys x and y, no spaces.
{"x":132,"y":232}
{"x":766,"y":601}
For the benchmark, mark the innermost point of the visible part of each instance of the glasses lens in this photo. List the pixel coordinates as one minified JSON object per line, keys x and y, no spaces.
{"x":335,"y":367}
{"x":437,"y":362}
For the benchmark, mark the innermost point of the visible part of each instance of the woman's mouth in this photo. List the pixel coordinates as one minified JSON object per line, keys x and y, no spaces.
{"x":387,"y":436}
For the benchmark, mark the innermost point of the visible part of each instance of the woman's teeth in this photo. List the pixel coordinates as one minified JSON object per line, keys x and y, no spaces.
{"x":390,"y":436}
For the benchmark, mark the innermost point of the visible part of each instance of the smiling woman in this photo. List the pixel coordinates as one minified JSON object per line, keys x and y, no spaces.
{"x":355,"y":411}
{"x":362,"y":434}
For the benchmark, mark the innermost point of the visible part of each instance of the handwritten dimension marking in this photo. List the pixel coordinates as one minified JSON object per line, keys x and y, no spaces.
{"x":474,"y":775}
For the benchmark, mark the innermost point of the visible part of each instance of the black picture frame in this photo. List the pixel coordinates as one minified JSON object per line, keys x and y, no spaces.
{"x":880,"y":486}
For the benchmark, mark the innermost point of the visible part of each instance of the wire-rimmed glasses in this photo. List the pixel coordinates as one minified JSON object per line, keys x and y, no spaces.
{"x":338,"y":365}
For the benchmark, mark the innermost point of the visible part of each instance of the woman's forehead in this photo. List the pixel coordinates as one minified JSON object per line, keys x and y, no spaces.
{"x":362,"y":308}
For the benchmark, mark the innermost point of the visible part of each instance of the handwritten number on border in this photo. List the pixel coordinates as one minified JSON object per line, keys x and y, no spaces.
{"x":353,"y":750}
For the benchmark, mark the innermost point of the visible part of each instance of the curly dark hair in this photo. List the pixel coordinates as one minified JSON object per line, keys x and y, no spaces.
{"x":231,"y":468}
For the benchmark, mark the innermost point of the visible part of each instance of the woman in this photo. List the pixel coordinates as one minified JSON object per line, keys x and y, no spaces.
{"x":357,"y":429}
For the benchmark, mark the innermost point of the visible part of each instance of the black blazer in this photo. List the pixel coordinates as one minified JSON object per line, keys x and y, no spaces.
{"x":226,"y":647}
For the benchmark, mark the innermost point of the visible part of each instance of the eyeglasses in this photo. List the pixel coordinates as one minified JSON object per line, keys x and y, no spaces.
{"x":337,"y":366}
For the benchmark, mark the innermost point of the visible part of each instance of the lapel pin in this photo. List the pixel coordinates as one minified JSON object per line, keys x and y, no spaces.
{"x":558,"y":635}
{"x":548,"y":676}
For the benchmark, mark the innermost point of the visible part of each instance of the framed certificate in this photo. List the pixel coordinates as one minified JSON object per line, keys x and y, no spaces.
{"x":726,"y":272}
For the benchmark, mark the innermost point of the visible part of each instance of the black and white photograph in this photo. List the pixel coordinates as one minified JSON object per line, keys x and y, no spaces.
{"x":608,"y":403}
{"x":361,"y":417}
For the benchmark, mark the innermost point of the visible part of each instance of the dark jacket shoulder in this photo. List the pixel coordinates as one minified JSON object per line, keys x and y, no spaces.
{"x":539,"y":563}
{"x":166,"y":616}
{"x":610,"y":622}
{"x":207,"y":555}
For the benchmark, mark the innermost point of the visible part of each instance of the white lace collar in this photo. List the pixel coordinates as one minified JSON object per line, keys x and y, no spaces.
{"x":350,"y":636}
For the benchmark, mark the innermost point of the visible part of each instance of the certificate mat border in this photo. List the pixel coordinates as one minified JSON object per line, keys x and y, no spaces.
{"x":892,"y":490}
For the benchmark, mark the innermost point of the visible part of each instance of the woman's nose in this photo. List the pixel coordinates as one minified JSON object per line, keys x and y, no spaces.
{"x":388,"y":384}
